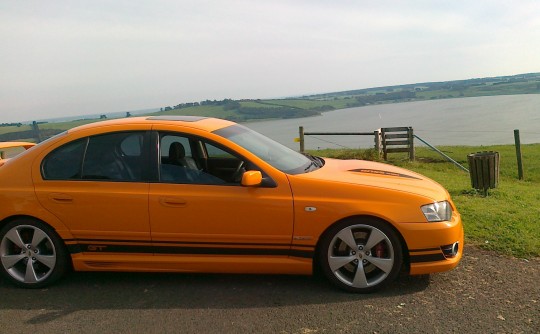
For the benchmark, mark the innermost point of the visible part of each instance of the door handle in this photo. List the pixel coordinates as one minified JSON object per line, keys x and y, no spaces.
{"x":60,"y":198}
{"x":173,"y":202}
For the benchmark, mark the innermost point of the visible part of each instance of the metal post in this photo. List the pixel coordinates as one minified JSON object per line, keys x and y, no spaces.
{"x":301,"y":135}
{"x":518,"y":154}
{"x":441,"y":153}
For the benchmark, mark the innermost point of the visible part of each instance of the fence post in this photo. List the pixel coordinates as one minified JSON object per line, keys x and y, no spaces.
{"x":377,"y":138}
{"x":35,"y":130}
{"x":410,"y":132}
{"x":301,"y":135}
{"x":518,"y":154}
{"x":383,"y":138}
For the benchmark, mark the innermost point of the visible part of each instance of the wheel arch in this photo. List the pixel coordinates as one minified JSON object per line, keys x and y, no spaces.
{"x":58,"y":227}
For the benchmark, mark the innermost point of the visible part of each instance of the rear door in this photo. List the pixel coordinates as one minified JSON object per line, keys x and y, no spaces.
{"x":96,"y":186}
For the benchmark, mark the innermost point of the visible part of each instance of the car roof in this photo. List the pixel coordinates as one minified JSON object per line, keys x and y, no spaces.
{"x":198,"y":122}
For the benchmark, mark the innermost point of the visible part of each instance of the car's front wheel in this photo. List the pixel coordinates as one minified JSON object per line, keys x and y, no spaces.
{"x":360,"y":255}
{"x":32,"y":255}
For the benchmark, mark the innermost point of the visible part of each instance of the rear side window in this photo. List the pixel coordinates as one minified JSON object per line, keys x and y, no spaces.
{"x":65,"y":162}
{"x":114,"y":157}
{"x":108,"y":157}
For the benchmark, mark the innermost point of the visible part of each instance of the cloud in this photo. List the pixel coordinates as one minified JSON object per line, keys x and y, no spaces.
{"x":66,"y":57}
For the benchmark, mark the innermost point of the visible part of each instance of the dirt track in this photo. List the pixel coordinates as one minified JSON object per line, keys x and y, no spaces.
{"x":487,"y":293}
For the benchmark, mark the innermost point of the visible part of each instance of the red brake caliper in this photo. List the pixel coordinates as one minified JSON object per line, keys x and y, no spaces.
{"x":379,"y":250}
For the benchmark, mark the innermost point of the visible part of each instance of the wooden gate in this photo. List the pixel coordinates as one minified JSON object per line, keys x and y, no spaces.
{"x":400,"y":139}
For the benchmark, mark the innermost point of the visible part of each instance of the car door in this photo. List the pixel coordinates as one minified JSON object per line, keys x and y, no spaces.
{"x":210,"y":212}
{"x":96,"y":186}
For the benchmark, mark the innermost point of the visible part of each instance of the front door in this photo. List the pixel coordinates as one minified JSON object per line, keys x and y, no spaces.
{"x":207,"y":210}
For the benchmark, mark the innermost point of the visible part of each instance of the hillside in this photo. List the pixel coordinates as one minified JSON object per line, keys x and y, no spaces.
{"x":310,"y":105}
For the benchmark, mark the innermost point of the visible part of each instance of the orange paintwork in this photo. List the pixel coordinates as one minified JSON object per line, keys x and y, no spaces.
{"x":272,"y":224}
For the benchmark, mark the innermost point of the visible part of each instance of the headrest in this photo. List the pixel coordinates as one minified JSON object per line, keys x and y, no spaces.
{"x":176,"y":151}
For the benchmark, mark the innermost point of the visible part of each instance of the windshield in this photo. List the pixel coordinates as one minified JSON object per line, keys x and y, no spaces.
{"x":275,"y":154}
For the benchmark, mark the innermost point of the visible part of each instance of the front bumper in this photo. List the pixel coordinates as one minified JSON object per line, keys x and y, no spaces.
{"x":434,"y":247}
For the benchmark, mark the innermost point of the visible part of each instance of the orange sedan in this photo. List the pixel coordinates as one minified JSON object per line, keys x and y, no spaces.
{"x":196,"y":194}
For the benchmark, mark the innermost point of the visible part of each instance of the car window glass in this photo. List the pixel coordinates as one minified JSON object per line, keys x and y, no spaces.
{"x":64,"y":163}
{"x":168,"y":140}
{"x":273,"y":153}
{"x":223,"y":164}
{"x":215,"y":152}
{"x":132,"y":145}
{"x":208,"y":164}
{"x":113,"y":157}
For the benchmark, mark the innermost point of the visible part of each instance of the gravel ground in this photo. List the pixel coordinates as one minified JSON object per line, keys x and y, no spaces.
{"x":487,"y":293}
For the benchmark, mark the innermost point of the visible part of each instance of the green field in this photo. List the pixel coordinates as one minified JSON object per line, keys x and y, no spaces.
{"x":531,"y":87}
{"x":507,"y":219}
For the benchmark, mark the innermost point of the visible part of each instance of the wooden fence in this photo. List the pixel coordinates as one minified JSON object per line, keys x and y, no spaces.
{"x":386,"y":140}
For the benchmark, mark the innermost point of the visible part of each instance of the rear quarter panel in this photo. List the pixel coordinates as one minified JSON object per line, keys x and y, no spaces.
{"x":17,"y":195}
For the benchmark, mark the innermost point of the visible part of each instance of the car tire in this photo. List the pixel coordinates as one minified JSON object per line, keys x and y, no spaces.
{"x":360,"y":255}
{"x":32,"y":255}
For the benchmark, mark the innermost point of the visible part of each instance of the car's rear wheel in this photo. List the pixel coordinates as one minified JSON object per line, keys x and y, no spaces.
{"x":31,"y":253}
{"x":361,"y":255}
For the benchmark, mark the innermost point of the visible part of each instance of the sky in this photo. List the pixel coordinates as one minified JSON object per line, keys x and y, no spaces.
{"x":66,"y":57}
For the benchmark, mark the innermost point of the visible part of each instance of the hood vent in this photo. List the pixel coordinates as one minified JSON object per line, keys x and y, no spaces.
{"x":383,"y":173}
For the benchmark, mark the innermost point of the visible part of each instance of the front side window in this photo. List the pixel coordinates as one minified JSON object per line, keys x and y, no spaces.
{"x":192,"y":160}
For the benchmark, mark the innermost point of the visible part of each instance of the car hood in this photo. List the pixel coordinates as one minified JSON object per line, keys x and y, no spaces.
{"x":378,"y":175}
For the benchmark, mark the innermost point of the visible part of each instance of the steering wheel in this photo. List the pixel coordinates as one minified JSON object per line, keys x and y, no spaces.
{"x":238,"y":171}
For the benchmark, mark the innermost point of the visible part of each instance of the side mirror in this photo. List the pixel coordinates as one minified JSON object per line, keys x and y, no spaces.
{"x":251,"y":178}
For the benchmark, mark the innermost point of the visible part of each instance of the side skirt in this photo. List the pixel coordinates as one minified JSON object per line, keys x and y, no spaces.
{"x":193,"y":263}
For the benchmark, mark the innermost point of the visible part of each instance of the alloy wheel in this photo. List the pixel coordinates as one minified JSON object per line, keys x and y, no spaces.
{"x":28,"y":254}
{"x":361,"y":257}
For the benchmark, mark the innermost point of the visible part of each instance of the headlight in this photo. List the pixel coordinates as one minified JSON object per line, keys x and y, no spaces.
{"x":438,"y":211}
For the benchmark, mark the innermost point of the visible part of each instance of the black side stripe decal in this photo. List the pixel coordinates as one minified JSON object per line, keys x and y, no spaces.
{"x":159,"y":249}
{"x":425,"y":250}
{"x":427,"y":258}
{"x":184,"y":243}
